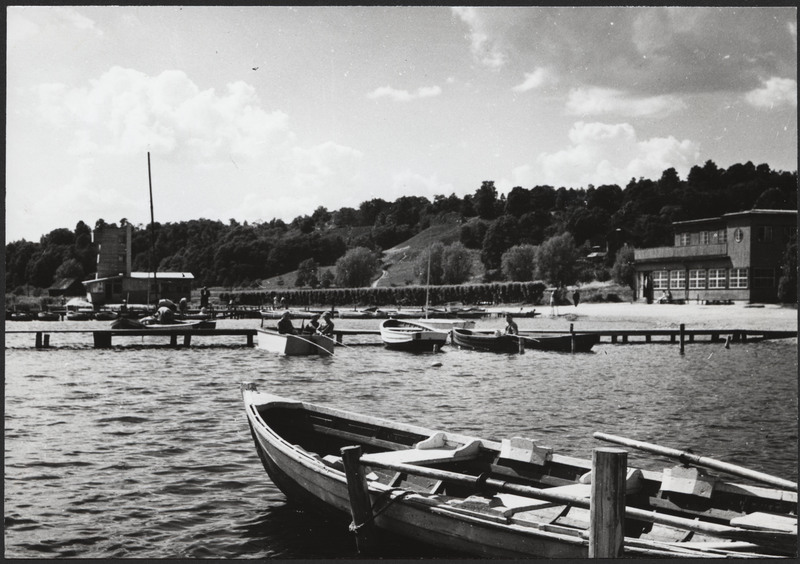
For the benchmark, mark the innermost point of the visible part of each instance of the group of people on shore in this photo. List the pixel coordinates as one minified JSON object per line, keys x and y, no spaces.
{"x":314,"y":326}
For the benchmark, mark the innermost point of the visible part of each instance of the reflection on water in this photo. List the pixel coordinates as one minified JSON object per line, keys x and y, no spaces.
{"x":143,"y":452}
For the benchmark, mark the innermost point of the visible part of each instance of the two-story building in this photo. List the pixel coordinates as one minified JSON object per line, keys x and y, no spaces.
{"x":735,"y":257}
{"x":115,"y":282}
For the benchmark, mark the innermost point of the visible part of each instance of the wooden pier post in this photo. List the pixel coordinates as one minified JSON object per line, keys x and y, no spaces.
{"x":360,"y":506}
{"x":38,"y":339}
{"x":572,"y":337}
{"x":102,"y":339}
{"x":173,"y":340}
{"x":250,"y":339}
{"x":683,"y":336}
{"x":46,"y":342}
{"x":187,"y":340}
{"x":607,"y":506}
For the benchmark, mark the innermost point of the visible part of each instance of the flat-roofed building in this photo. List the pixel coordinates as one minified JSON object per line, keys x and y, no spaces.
{"x":115,"y":282}
{"x":734,"y":257}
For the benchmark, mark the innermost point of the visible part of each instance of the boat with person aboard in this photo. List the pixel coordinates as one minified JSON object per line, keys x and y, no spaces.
{"x":407,"y":335}
{"x":512,"y":498}
{"x":301,"y":344}
{"x":495,"y":341}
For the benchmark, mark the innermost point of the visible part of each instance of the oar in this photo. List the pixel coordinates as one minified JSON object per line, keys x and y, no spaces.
{"x":773,"y":538}
{"x":687,"y":457}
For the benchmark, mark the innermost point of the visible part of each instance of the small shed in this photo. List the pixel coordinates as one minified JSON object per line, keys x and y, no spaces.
{"x":66,"y":287}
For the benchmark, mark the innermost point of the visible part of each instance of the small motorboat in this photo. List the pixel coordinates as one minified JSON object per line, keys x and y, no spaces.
{"x":47,"y":316}
{"x":495,"y":341}
{"x":106,"y":315}
{"x":407,"y":335}
{"x":512,"y":498}
{"x":301,"y":344}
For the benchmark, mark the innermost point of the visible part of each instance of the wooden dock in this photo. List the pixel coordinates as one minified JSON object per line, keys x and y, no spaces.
{"x":102,"y":338}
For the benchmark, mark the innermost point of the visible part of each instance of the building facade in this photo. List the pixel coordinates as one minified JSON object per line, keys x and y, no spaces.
{"x":115,"y":282}
{"x":735,"y":257}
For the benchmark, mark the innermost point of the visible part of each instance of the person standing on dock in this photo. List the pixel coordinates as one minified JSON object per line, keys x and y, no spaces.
{"x":553,"y":310}
{"x":327,"y":326}
{"x":576,"y":297}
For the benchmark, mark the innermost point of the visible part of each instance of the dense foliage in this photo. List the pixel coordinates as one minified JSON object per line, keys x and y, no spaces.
{"x":241,"y":255}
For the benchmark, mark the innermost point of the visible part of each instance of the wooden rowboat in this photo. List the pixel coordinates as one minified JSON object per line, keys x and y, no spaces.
{"x":294,"y":345}
{"x":151,"y":323}
{"x":411,"y":336}
{"x":496,"y":342}
{"x":505,"y":499}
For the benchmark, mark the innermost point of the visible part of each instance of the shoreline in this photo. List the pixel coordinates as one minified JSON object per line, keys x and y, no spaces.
{"x":629,"y":315}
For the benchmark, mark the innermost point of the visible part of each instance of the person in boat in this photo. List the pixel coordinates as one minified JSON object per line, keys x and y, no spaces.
{"x":326,"y":328}
{"x":285,"y":324}
{"x":313,"y":324}
{"x":511,"y":325}
{"x":165,"y":315}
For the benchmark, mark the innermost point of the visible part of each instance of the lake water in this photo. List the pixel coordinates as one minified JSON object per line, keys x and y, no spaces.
{"x":144,"y":452}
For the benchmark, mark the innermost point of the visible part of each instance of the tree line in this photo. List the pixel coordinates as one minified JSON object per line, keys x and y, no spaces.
{"x":530,"y":233}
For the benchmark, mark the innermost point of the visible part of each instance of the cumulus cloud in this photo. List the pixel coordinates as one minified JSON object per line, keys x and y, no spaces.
{"x":404,"y":95}
{"x":774,"y":92}
{"x":599,"y":101}
{"x":601,"y":153}
{"x":125,"y":111}
{"x":483,"y":44}
{"x":50,"y":20}
{"x":534,"y":80}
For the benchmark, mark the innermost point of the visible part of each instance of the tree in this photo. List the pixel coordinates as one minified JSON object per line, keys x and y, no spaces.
{"x":623,"y":271}
{"x":518,"y":263}
{"x":71,"y":268}
{"x":430,"y":261}
{"x":556,"y":259}
{"x":456,"y":264}
{"x":485,"y":200}
{"x":356,"y":268}
{"x":501,"y":236}
{"x":307,"y":273}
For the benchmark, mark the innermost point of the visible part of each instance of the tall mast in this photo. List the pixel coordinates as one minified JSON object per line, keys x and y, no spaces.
{"x":428,"y":285}
{"x":153,"y":266}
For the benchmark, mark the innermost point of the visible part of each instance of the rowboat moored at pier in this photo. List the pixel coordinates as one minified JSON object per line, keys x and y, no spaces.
{"x":512,"y":498}
{"x":497,"y":342}
{"x":411,"y":336}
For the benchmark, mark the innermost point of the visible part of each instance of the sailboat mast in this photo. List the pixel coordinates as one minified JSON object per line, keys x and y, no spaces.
{"x":428,"y":285}
{"x":153,"y":266}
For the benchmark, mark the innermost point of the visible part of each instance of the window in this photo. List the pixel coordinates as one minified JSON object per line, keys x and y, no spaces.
{"x":705,"y":237}
{"x":764,"y":233}
{"x":763,"y":278}
{"x":697,"y":279}
{"x":660,"y":280}
{"x":738,"y":278}
{"x":684,"y":239}
{"x":677,"y":279}
{"x":716,"y":278}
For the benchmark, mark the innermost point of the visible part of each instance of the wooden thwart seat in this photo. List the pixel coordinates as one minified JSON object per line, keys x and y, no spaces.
{"x":422,"y":454}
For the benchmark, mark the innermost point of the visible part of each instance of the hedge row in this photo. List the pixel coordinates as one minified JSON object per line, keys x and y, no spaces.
{"x":496,"y":293}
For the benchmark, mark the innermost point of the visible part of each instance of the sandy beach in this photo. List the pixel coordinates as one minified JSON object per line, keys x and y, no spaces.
{"x":659,"y":316}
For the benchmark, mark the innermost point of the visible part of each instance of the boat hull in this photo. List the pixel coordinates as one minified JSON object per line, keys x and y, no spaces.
{"x":489,"y":341}
{"x":300,"y":444}
{"x":409,"y":336}
{"x":294,"y":345}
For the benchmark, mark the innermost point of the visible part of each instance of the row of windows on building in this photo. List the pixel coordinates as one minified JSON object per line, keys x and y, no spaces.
{"x":712,"y":278}
{"x":763,"y":234}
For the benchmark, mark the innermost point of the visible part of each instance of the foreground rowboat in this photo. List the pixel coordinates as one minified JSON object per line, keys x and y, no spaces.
{"x":452,"y":491}
{"x":294,"y":345}
{"x":411,"y":336}
{"x":492,"y":341}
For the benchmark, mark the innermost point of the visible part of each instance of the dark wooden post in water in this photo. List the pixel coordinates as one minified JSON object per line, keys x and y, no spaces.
{"x":607,"y":507}
{"x":572,"y":337}
{"x":360,"y":506}
{"x":38,"y":340}
{"x":683,"y":336}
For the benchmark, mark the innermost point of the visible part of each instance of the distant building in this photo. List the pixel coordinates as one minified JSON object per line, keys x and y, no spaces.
{"x":734,"y":257}
{"x":66,"y":287}
{"x":114,"y":280}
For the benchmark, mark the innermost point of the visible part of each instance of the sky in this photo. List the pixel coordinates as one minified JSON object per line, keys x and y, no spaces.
{"x":256,"y":113}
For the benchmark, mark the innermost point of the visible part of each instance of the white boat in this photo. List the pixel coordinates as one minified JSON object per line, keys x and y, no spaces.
{"x":411,"y":336}
{"x":294,"y":345}
{"x":445,"y":324}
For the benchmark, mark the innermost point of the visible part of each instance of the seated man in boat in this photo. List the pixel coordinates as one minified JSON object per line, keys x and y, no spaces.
{"x":165,"y":315}
{"x":327,"y":326}
{"x":511,"y":325}
{"x":313,"y":324}
{"x":285,"y":324}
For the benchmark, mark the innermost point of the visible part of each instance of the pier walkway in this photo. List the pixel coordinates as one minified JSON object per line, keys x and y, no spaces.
{"x":102,"y":338}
